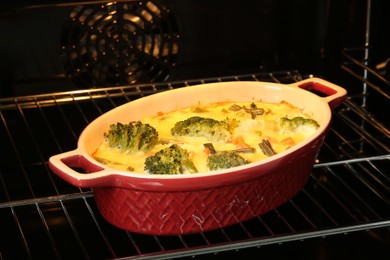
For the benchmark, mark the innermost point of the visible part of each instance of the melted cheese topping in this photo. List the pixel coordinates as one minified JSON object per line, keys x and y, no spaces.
{"x":249,"y":133}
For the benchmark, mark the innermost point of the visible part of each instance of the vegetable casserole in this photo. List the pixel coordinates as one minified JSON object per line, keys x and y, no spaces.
{"x":204,"y":138}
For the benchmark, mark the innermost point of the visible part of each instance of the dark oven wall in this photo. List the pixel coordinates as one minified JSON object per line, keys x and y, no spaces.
{"x":52,"y":47}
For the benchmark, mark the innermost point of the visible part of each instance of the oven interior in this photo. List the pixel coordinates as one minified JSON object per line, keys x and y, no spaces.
{"x":78,"y":60}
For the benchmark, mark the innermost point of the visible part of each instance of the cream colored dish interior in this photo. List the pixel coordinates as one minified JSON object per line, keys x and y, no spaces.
{"x":310,"y":103}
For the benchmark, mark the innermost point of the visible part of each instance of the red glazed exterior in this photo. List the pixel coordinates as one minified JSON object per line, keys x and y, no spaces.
{"x":195,"y":203}
{"x":201,"y":210}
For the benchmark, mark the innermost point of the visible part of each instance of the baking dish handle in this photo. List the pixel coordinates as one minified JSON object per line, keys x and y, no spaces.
{"x":79,"y":171}
{"x":331,"y":93}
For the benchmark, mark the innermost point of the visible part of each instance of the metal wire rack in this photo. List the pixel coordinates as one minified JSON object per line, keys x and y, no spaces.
{"x":44,"y":217}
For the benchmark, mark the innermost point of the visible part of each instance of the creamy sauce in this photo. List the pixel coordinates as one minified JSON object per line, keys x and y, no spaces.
{"x":250,"y":132}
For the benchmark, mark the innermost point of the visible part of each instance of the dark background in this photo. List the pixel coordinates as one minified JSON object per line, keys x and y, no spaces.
{"x":216,"y":38}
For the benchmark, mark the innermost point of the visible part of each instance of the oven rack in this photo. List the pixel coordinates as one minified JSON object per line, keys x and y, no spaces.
{"x":44,"y":217}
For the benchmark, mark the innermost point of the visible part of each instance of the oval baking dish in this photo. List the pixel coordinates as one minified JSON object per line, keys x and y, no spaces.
{"x":190,"y":203}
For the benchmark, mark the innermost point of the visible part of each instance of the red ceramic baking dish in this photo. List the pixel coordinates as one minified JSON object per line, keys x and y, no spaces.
{"x":190,"y":203}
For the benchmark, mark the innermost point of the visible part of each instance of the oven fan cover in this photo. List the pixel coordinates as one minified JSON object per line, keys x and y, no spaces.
{"x":119,"y":44}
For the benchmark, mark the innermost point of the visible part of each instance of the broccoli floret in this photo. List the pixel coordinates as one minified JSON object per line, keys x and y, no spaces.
{"x":209,"y":128}
{"x":134,"y":136}
{"x":298,"y":124}
{"x":170,"y":160}
{"x":225,"y":160}
{"x":232,"y":123}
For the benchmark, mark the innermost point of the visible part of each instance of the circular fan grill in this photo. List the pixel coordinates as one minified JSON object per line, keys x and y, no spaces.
{"x":119,"y":43}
